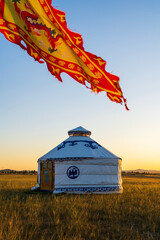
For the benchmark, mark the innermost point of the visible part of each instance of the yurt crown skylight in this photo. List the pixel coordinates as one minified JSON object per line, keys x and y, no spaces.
{"x":80,"y":131}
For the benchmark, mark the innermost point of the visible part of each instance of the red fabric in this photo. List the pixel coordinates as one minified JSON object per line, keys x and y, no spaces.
{"x":79,"y":64}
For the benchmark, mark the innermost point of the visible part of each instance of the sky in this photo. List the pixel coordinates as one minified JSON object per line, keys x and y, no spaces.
{"x":36,"y":110}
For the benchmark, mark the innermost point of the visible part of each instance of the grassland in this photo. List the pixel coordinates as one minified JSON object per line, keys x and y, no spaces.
{"x":26,"y":215}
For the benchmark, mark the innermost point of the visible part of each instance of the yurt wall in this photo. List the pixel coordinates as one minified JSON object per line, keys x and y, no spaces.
{"x":97,"y":172}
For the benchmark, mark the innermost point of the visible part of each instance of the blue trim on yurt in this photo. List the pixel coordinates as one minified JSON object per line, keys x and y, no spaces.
{"x":73,"y":143}
{"x":88,"y":189}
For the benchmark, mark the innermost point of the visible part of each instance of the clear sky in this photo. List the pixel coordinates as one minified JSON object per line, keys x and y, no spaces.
{"x":36,"y":110}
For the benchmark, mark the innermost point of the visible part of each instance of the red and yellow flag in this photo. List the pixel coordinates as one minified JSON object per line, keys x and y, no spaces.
{"x":46,"y":36}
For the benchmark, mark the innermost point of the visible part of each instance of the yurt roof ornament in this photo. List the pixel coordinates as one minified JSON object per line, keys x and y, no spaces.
{"x":79,"y":131}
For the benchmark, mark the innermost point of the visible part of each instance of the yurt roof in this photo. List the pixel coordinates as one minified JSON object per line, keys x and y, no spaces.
{"x":79,"y":145}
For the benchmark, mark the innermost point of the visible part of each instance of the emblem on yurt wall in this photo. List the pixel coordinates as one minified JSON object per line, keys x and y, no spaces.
{"x":73,"y":172}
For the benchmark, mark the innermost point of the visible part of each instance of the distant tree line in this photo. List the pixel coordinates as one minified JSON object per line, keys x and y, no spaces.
{"x":138,"y":173}
{"x":23,"y":172}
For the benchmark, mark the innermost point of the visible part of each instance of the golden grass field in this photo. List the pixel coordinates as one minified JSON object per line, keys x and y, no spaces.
{"x":27,"y":215}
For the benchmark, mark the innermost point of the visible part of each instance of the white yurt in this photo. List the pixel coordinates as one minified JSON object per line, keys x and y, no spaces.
{"x":80,"y":165}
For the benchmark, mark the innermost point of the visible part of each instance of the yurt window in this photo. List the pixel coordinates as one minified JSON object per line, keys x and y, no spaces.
{"x":45,"y":165}
{"x":49,"y":165}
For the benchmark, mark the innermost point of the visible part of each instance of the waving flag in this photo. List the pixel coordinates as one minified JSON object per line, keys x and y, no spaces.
{"x":44,"y":31}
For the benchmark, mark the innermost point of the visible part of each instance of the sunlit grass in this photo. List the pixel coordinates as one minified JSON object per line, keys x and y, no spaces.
{"x":26,"y":215}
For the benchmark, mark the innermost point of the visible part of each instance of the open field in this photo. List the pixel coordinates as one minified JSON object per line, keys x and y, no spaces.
{"x":26,"y":215}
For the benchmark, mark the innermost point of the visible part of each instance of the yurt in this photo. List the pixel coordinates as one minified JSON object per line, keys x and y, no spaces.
{"x":79,"y":165}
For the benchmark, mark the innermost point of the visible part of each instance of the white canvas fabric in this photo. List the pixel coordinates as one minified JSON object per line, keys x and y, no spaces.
{"x":93,"y":175}
{"x":78,"y":147}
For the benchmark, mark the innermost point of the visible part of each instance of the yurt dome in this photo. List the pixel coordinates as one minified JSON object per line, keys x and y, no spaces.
{"x":78,"y":145}
{"x":79,"y":165}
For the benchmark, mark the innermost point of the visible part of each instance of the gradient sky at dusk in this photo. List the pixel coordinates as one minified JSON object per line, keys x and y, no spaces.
{"x":36,"y":110}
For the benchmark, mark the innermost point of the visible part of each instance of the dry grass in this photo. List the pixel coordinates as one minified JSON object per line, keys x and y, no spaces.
{"x":26,"y":215}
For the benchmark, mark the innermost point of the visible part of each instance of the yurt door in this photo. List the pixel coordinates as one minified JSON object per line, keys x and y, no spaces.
{"x":47,"y":176}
